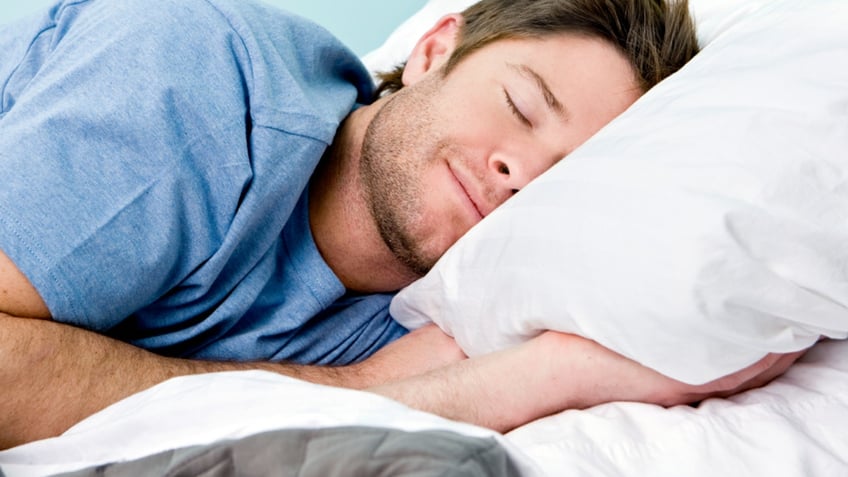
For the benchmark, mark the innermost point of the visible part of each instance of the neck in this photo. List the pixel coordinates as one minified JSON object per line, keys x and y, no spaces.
{"x":343,"y":228}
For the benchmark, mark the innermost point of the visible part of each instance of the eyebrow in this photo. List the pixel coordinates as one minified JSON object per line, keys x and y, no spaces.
{"x":550,"y":99}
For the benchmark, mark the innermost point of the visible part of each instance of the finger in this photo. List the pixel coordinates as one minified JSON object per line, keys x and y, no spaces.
{"x":731,"y":382}
{"x":775,"y":370}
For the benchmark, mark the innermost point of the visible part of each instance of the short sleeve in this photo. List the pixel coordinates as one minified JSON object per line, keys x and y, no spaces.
{"x":123,"y":151}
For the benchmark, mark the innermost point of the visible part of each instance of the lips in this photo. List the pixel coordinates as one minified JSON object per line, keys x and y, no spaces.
{"x":464,"y":184}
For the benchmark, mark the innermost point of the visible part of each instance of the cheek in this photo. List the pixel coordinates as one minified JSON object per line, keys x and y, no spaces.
{"x":444,"y":219}
{"x":482,"y":123}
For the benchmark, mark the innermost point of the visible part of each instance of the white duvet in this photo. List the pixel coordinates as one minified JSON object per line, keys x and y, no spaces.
{"x":797,"y":426}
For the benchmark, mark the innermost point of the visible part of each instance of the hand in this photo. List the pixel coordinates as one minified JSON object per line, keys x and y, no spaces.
{"x":757,"y":375}
{"x":607,"y":376}
{"x":421,"y":351}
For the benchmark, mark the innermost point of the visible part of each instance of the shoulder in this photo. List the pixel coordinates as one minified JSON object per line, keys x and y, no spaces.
{"x":189,"y":20}
{"x":135,"y":30}
{"x":180,"y":22}
{"x":301,"y":78}
{"x":160,"y":15}
{"x":298,"y":77}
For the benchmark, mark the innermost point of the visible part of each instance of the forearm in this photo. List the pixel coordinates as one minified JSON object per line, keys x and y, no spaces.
{"x":54,"y":375}
{"x":500,"y":391}
{"x":554,"y":372}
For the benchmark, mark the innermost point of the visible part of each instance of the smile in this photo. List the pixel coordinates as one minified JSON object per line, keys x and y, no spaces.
{"x":463,"y":191}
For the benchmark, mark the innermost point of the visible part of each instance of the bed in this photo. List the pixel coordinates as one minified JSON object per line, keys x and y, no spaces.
{"x":715,"y":211}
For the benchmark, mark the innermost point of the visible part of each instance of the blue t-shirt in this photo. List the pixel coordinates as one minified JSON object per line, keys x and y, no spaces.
{"x":155,"y":156}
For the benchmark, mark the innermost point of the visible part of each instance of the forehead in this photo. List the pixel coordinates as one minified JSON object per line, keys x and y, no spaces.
{"x":559,"y":53}
{"x":578,"y":68}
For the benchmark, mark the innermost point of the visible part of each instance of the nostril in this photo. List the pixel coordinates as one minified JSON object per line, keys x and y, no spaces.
{"x":503,"y":169}
{"x":514,"y":191}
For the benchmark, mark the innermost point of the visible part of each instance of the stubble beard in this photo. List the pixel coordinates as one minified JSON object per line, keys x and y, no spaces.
{"x":390,"y":170}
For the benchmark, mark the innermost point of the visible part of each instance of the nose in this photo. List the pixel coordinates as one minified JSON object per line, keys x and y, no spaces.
{"x":513,"y":172}
{"x":506,"y":176}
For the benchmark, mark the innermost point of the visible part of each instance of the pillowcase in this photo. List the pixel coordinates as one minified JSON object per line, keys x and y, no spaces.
{"x":700,"y":230}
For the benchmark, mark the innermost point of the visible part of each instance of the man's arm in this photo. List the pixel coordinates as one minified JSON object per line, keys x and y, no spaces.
{"x":554,"y":372}
{"x":54,"y":375}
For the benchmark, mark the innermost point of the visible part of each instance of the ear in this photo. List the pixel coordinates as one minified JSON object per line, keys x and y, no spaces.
{"x":433,"y":49}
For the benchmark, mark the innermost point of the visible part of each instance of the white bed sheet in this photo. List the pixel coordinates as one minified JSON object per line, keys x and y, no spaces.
{"x":796,"y":426}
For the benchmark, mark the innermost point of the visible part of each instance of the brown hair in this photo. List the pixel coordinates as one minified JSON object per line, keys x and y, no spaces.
{"x":657,"y":36}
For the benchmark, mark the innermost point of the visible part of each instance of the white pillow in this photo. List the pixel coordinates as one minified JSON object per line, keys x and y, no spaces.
{"x":705,"y":227}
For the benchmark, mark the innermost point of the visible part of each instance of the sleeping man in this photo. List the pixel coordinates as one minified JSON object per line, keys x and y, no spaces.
{"x":194,"y":186}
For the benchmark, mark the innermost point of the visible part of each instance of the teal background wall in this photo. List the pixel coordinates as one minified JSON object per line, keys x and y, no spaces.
{"x":361,"y":24}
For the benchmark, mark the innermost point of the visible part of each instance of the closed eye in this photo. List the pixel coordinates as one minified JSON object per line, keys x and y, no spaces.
{"x":515,"y":111}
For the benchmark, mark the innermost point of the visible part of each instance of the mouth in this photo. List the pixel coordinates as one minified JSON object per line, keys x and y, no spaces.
{"x":463,"y":191}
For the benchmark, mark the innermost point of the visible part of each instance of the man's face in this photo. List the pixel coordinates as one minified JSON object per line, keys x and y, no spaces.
{"x":445,"y":151}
